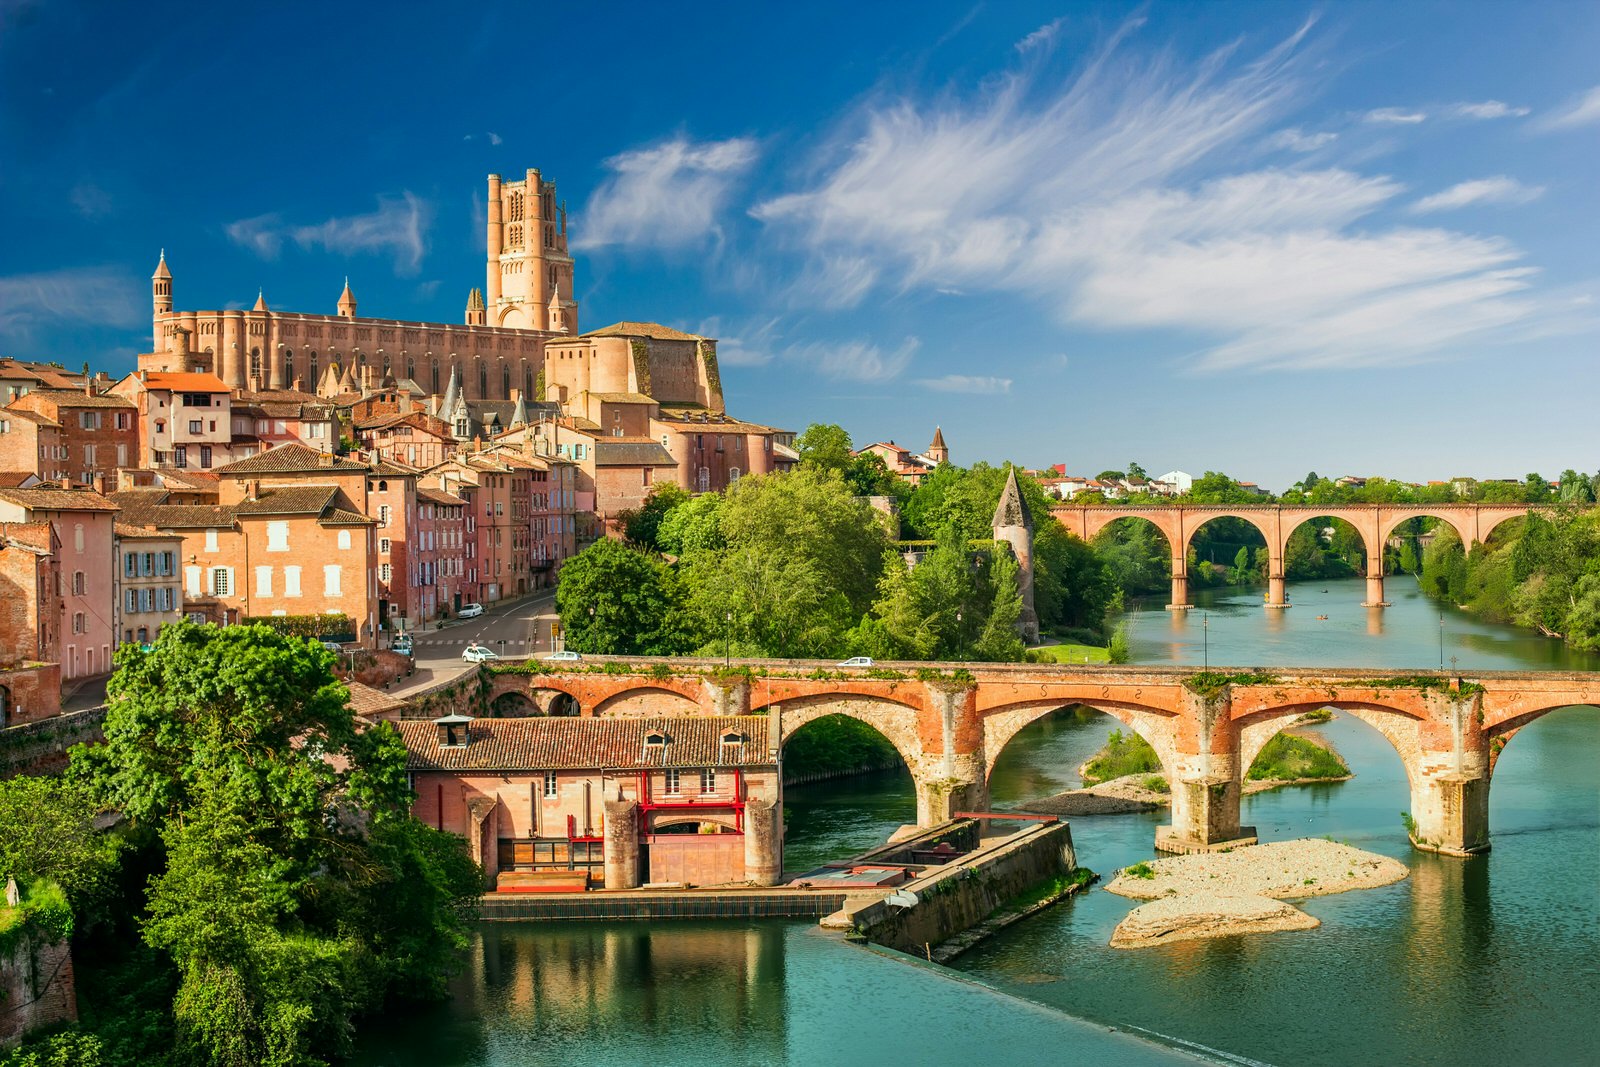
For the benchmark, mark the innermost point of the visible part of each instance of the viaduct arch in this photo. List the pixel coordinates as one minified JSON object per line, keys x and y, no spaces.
{"x":951,"y":724}
{"x":1374,"y":522}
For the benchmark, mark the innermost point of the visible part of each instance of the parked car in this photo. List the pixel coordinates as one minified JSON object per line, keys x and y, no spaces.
{"x":857,"y":661}
{"x":470,"y":611}
{"x":401,"y":644}
{"x":477,"y":654}
{"x":567,"y":656}
{"x":333,"y":646}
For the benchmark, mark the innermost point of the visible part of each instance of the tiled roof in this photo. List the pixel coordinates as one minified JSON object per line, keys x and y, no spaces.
{"x":77,"y":398}
{"x":388,"y":468}
{"x":289,"y":459}
{"x":635,"y":452}
{"x":16,"y":479}
{"x":58,"y":499}
{"x":365,"y":700}
{"x":29,"y":416}
{"x":549,"y":744}
{"x":139,"y":533}
{"x":184,"y":381}
{"x":622,"y":398}
{"x":436,"y":496}
{"x":289,"y":500}
{"x":184,"y":517}
{"x":643,"y":329}
{"x":190,"y":479}
{"x":345,"y":517}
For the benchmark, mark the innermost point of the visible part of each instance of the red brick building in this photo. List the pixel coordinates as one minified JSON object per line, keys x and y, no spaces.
{"x":30,"y":669}
{"x":33,"y":443}
{"x":573,"y":803}
{"x":98,"y":431}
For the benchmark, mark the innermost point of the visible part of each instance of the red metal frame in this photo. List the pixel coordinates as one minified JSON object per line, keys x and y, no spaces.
{"x":647,"y":803}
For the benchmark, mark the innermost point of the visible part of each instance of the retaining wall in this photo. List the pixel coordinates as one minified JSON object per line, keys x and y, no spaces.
{"x":36,"y":988}
{"x":962,"y":894}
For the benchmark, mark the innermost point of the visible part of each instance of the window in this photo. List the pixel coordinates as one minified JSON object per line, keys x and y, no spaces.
{"x":383,"y":545}
{"x":733,"y":475}
{"x":550,"y":789}
{"x":77,"y":536}
{"x":330,"y":579}
{"x":147,"y":564}
{"x":220,"y":585}
{"x":79,"y":623}
{"x":89,"y":420}
{"x":122,"y":420}
{"x":77,"y":583}
{"x":205,"y":455}
{"x":383,"y":514}
{"x":194,"y":426}
{"x":164,"y":564}
{"x":144,"y":635}
{"x":708,"y":780}
{"x":197,"y":400}
{"x":344,"y":539}
{"x":702,"y":480}
{"x":674,"y":787}
{"x":180,"y":456}
{"x":291,"y":581}
{"x":211,"y":540}
{"x":264,"y":581}
{"x":130,"y":565}
{"x":130,"y":602}
{"x":383,"y":573}
{"x":277,"y":536}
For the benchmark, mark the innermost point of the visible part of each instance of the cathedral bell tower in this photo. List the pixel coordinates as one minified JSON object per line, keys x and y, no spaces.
{"x":527,"y":264}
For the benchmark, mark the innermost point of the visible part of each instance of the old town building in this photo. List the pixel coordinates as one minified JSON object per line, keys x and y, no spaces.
{"x":185,"y":419}
{"x":573,"y":803}
{"x":84,"y":524}
{"x":149,"y":591}
{"x":440,"y":554}
{"x":97,"y":433}
{"x":33,"y":443}
{"x":30,"y":671}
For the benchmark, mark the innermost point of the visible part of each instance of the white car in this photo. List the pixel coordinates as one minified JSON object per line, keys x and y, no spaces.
{"x":567,"y":656}
{"x":857,"y":661}
{"x":477,"y":654}
{"x":470,"y":611}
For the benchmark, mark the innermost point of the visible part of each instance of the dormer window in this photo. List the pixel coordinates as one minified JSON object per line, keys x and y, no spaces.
{"x":734,"y":737}
{"x":655,"y":737}
{"x":455,"y":731}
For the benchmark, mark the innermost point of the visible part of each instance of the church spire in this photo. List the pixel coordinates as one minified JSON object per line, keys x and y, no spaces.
{"x":937,"y":450}
{"x":519,"y":414}
{"x":347,"y":301}
{"x":161,"y":289}
{"x":261,"y":300}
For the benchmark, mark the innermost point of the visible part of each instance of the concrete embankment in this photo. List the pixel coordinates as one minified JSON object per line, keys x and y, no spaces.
{"x":961,"y":895}
{"x":637,"y":904}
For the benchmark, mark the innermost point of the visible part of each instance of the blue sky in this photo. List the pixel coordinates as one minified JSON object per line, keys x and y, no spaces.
{"x":1262,"y":238}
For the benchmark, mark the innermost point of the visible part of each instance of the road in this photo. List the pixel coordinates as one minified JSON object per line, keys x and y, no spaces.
{"x":517,"y":628}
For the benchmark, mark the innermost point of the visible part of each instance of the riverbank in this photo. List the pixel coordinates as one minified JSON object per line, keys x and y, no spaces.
{"x":1219,"y":894}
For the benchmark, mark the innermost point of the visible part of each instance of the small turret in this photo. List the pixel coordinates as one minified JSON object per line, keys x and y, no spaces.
{"x":161,"y":286}
{"x":1013,"y":524}
{"x":477,"y":314}
{"x":557,"y":311}
{"x":347,"y":301}
{"x":261,"y":300}
{"x":937,"y":450}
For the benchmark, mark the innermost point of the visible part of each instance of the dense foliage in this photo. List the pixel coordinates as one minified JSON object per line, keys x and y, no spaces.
{"x":269,"y":860}
{"x":836,"y":744}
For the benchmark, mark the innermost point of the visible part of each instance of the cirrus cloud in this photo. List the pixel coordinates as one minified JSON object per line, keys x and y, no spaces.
{"x":668,"y":195}
{"x":1497,"y":190}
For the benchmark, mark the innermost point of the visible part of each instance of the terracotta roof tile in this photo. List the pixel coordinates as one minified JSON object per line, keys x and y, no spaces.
{"x":288,"y":459}
{"x":28,"y":416}
{"x":435,"y":496}
{"x":184,"y":381}
{"x":58,"y":499}
{"x":643,"y":329}
{"x":140,"y":533}
{"x":365,"y":700}
{"x":345,"y":517}
{"x":621,"y":452}
{"x":77,"y":398}
{"x":289,"y":500}
{"x":16,"y":479}
{"x":583,"y":744}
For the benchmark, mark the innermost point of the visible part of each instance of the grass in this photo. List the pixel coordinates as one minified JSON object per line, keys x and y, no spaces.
{"x":1155,"y":783}
{"x":1122,"y":755}
{"x":1068,"y":653}
{"x":1140,"y":870}
{"x":1287,"y":757}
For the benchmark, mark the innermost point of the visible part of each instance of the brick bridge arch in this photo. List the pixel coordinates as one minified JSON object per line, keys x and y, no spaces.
{"x":1002,"y":724}
{"x":1374,"y":522}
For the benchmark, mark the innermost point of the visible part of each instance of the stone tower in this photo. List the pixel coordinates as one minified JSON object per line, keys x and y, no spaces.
{"x":161,"y":300}
{"x":477,"y":315}
{"x":528,"y":265}
{"x":937,"y":450}
{"x":347,"y":302}
{"x":1014,"y":525}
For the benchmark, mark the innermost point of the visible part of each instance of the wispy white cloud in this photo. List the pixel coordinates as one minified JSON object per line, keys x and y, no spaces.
{"x":855,"y":361}
{"x":1583,"y":110}
{"x":397,"y":228}
{"x":1043,"y":37}
{"x":1395,"y":116}
{"x":748,"y":344}
{"x":1116,"y":199}
{"x":495,"y":138}
{"x":1497,"y":190}
{"x":98,"y":295}
{"x":1296,"y":140}
{"x":1489,"y":109}
{"x":91,"y":201}
{"x":665,"y":196}
{"x":966,"y":383}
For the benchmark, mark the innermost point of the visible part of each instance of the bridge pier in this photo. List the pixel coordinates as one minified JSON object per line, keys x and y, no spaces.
{"x":1375,"y":585}
{"x":1277,"y":596}
{"x":1450,"y":813}
{"x":1205,"y":810}
{"x":1180,"y":584}
{"x":763,"y":842}
{"x":942,"y":792}
{"x":622,"y":844}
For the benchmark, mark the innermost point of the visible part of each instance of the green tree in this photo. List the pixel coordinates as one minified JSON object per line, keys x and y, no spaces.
{"x":615,"y":600}
{"x":1136,"y":471}
{"x":999,"y":642}
{"x":693,"y":526}
{"x":47,"y":831}
{"x":825,"y":446}
{"x":1575,"y":488}
{"x":1111,"y":476}
{"x":642,"y":525}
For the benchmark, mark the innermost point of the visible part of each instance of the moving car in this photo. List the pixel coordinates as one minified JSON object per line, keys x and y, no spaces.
{"x":857,"y":661}
{"x":567,"y":656}
{"x":470,"y":611}
{"x":477,"y":654}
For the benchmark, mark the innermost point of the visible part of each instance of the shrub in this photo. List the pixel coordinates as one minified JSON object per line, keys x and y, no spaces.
{"x":1287,"y":757}
{"x":1123,"y":754}
{"x":1140,"y":870}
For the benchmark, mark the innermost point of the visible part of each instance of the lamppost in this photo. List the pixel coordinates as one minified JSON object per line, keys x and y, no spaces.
{"x":727,"y":638}
{"x":959,"y":642}
{"x":1441,"y":642}
{"x":1205,"y":641}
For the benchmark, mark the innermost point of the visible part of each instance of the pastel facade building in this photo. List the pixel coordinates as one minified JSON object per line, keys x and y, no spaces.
{"x":84,"y":524}
{"x":574,"y":803}
{"x":149,"y":589}
{"x":185,"y":419}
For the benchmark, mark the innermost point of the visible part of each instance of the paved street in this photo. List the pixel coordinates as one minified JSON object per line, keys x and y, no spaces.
{"x":519,"y":628}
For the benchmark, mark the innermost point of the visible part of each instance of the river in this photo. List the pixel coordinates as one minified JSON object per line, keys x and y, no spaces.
{"x":1494,"y":959}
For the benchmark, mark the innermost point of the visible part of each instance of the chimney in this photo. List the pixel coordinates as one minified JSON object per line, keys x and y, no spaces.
{"x":252,"y":489}
{"x":299,"y":385}
{"x":66,"y":481}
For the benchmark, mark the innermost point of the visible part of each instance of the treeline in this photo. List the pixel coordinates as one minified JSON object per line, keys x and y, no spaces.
{"x":800,"y":565}
{"x":1542,"y":571}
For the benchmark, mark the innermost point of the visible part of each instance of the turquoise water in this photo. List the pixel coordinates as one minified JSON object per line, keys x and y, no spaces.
{"x":1492,"y":960}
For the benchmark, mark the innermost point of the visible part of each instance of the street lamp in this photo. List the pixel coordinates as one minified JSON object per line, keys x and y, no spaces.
{"x":727,"y":638}
{"x":1205,"y":641}
{"x":1441,"y":642}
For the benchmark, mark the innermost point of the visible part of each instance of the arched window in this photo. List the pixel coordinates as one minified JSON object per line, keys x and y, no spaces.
{"x":435,"y":388}
{"x":505,"y":382}
{"x":514,"y":237}
{"x":255,"y":363}
{"x":733,"y":475}
{"x":483,"y":382}
{"x":702,"y":481}
{"x":311,"y":378}
{"x":552,"y":279}
{"x":516,"y":207}
{"x":411,"y":369}
{"x":527,"y":383}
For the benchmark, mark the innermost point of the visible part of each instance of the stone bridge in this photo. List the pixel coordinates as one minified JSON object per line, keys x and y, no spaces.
{"x":1374,"y":522}
{"x":1207,"y":729}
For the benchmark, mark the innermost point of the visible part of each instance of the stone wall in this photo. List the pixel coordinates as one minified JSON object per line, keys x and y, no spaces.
{"x":41,"y":747}
{"x":36,"y":989}
{"x":960,"y":895}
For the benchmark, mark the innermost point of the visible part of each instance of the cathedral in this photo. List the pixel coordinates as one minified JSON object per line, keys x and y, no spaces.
{"x":496,"y":353}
